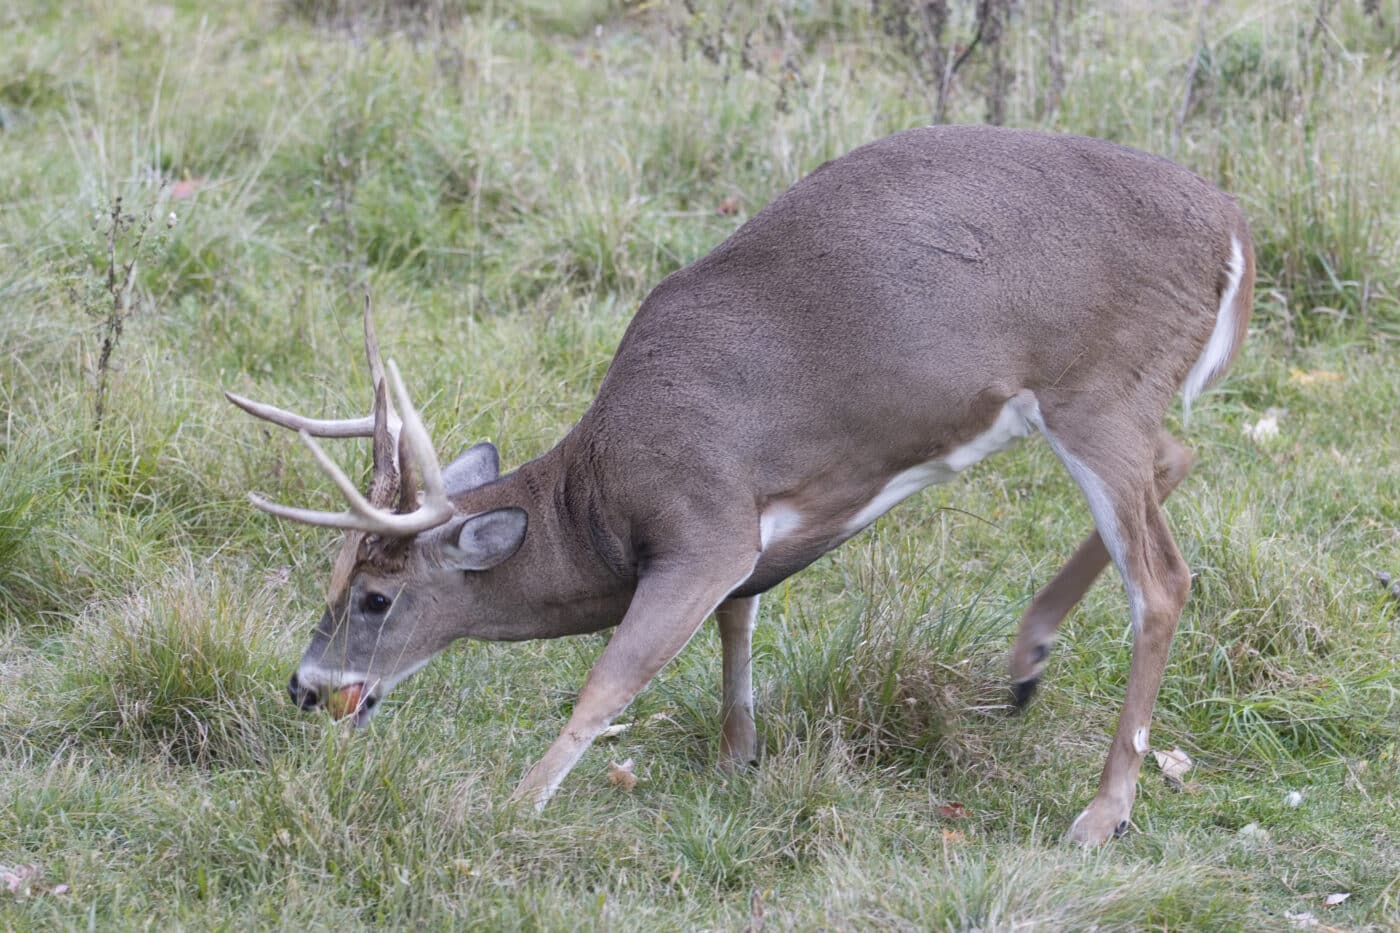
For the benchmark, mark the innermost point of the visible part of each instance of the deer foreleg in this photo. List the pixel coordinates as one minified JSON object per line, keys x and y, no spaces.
{"x":669,"y":606}
{"x":738,"y":743}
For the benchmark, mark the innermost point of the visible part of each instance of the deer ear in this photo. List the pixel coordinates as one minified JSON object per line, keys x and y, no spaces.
{"x":475,"y":466}
{"x":484,"y":540}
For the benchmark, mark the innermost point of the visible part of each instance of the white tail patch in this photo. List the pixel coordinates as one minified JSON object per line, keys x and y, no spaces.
{"x":1221,"y":345}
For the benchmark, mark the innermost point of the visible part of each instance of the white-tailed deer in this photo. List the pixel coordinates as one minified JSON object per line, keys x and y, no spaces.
{"x":890,"y":320}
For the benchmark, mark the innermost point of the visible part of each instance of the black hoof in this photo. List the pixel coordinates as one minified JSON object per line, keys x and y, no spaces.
{"x":1121,"y":829}
{"x":1022,"y":691}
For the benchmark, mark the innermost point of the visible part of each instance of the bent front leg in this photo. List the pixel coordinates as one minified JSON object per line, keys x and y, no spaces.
{"x":671,"y":602}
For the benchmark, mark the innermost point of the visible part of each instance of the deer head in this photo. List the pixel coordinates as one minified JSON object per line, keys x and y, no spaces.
{"x":410,"y":564}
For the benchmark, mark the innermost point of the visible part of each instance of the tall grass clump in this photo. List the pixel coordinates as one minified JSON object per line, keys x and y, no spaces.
{"x":1312,"y":141}
{"x":33,"y":495}
{"x":899,"y":680}
{"x":184,"y":669}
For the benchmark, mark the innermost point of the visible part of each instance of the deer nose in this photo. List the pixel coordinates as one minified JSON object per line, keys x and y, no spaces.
{"x":303,"y":696}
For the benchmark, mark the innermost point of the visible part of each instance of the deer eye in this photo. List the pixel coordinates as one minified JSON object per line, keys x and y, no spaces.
{"x":375,"y":602}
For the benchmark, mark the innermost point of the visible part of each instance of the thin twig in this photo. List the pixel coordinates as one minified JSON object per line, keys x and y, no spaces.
{"x":945,"y":81}
{"x":1188,"y":93}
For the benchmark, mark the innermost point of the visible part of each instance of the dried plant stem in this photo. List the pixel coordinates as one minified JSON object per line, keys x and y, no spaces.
{"x":121,"y":277}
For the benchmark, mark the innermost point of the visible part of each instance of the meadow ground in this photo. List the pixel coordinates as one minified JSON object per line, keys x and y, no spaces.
{"x":510,"y":179}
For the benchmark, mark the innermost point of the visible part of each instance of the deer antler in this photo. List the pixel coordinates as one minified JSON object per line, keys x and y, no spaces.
{"x":402,"y":451}
{"x":433,"y":507}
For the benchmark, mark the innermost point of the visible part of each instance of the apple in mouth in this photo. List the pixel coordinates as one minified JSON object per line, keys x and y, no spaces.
{"x":352,"y":700}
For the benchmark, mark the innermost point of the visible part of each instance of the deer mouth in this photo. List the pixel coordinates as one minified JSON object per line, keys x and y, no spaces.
{"x":353,"y":701}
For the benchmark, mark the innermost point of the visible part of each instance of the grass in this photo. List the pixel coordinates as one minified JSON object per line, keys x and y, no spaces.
{"x":510,"y":179}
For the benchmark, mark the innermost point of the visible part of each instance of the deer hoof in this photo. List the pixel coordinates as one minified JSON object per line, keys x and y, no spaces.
{"x":1023,"y":691}
{"x":738,"y":764}
{"x":1101,"y":821}
{"x":1027,"y":665}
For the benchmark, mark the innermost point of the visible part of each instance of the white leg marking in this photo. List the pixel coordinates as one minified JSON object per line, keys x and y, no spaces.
{"x":1105,"y":518}
{"x":1016,"y":420}
{"x":580,"y":745}
{"x":1222,"y":338}
{"x":1140,"y":741}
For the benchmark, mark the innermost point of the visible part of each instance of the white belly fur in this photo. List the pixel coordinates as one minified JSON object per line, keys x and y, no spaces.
{"x":1017,"y":419}
{"x":777,"y":522}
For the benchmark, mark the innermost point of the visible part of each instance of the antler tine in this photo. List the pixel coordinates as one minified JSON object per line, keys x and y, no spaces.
{"x":387,"y":478}
{"x":318,"y":427}
{"x":361,"y":516}
{"x":376,"y":366}
{"x":408,"y":476}
{"x":392,"y":432}
{"x":333,"y":427}
{"x":421,"y":444}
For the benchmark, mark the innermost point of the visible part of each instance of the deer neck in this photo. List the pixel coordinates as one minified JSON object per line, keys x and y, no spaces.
{"x":566,"y":579}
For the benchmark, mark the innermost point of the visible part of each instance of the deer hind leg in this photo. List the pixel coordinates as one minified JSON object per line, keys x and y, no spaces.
{"x":738,"y":743}
{"x":1118,"y":483}
{"x":1054,"y":602}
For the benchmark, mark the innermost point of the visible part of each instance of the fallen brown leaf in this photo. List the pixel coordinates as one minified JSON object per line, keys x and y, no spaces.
{"x":277,"y":578}
{"x":1332,"y":900}
{"x":952,"y":810}
{"x":728,"y":206}
{"x":19,"y":879}
{"x":953,"y":835}
{"x":186,"y":188}
{"x":23,"y":881}
{"x":622,"y":775}
{"x":1174,"y":765}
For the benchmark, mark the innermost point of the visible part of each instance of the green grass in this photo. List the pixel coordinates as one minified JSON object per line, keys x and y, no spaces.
{"x":510,"y":179}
